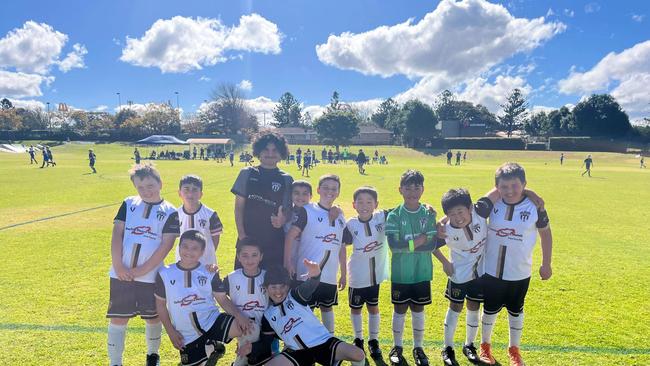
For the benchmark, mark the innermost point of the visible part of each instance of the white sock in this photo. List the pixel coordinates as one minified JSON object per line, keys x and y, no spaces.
{"x":487,"y":326}
{"x":516,"y":328}
{"x":417,"y":322}
{"x":357,"y":325}
{"x":116,"y":338}
{"x":328,"y":320}
{"x":153,"y":333}
{"x":398,"y":328}
{"x":471,"y":319}
{"x":451,"y":321}
{"x":373,"y":326}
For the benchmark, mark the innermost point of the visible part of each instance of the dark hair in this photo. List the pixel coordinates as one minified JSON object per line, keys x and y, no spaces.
{"x":248,"y":242}
{"x":411,"y":177}
{"x":456,"y":197}
{"x":277,"y":275}
{"x":144,"y":170}
{"x":192,"y":235}
{"x":301,"y":183}
{"x":263,"y":138}
{"x":333,"y":177}
{"x":365,"y":189}
{"x":510,"y":171}
{"x":191,"y":179}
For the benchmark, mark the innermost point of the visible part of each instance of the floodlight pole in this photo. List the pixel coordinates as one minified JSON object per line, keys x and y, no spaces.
{"x":119,"y":102}
{"x":49,"y":120}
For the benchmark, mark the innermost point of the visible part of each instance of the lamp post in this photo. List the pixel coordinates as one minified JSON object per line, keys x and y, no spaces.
{"x":49,"y":120}
{"x":177,"y":105}
{"x":119,"y":101}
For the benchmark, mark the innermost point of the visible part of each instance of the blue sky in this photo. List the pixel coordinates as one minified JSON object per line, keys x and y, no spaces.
{"x":83,"y":52}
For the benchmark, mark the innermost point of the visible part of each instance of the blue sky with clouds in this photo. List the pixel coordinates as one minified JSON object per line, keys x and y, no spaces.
{"x":83,"y":52}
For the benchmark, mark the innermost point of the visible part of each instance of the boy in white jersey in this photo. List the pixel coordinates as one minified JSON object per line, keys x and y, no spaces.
{"x":194,"y":215}
{"x":512,"y":233}
{"x":321,"y":242}
{"x":144,"y":231}
{"x":301,"y":193}
{"x":368,"y":265}
{"x":466,"y":232}
{"x":185,"y":302}
{"x":290,"y":318}
{"x":242,"y":295}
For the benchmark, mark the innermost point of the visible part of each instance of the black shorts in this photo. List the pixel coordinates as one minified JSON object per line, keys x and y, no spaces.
{"x":458,"y":292}
{"x":413,"y":293}
{"x":325,"y":295}
{"x":324,"y":354}
{"x":365,"y":295}
{"x":130,"y":298}
{"x":499,"y":293}
{"x":195,"y":352}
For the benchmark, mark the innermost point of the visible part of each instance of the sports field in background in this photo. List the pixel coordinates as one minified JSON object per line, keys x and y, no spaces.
{"x":593,"y":311}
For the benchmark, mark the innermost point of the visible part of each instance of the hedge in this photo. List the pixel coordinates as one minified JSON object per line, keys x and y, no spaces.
{"x":537,"y":146}
{"x":587,"y":144}
{"x":481,"y":143}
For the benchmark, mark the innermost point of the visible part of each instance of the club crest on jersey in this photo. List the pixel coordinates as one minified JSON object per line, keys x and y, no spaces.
{"x":456,"y":238}
{"x":423,"y":222}
{"x":379,"y":227}
{"x":202,"y":222}
{"x":455,"y":292}
{"x":290,"y":305}
{"x":275,"y":186}
{"x":476,"y":228}
{"x":160,"y":215}
{"x":524,"y":215}
{"x":202,"y":280}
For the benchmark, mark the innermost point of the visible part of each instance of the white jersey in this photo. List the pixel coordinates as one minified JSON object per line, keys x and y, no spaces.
{"x":512,"y":234}
{"x":247,"y":293}
{"x":188,"y":295}
{"x":466,"y":247}
{"x":296,"y":324}
{"x":368,"y":264}
{"x":320,"y":240}
{"x":208,"y":223}
{"x":145,"y":225}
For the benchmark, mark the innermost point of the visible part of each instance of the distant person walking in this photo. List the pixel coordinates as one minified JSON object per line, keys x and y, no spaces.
{"x":361,"y":159}
{"x":32,"y":155}
{"x":449,"y":156}
{"x":642,"y":162}
{"x":458,"y":155}
{"x":45,"y":157}
{"x":91,"y":160}
{"x":231,"y":157}
{"x":50,"y":158}
{"x":202,"y":154}
{"x":136,"y":156}
{"x":562,"y":159}
{"x":464,"y":156}
{"x":588,"y":163}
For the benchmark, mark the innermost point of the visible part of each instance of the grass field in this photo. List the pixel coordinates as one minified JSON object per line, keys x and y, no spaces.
{"x":54,"y":276}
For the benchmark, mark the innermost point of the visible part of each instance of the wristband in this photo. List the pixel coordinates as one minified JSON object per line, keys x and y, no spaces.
{"x":411,"y":245}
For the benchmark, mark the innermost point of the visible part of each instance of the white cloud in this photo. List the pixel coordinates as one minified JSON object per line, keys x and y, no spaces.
{"x":570,"y":13}
{"x":74,"y":59}
{"x":592,"y":8}
{"x":261,"y":106}
{"x":204,"y":78}
{"x":27,"y":103}
{"x":455,"y":41}
{"x":20,"y":85}
{"x":550,"y":12}
{"x":181,"y":44}
{"x":245,"y":85}
{"x":625,"y":75}
{"x":638,"y":17}
{"x":101,"y":108}
{"x":492,"y":95}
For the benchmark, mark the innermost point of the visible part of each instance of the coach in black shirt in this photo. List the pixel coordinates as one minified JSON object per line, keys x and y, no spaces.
{"x":263,"y":198}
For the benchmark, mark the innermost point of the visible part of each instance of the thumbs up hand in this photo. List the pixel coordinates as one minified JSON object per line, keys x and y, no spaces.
{"x":278,"y":219}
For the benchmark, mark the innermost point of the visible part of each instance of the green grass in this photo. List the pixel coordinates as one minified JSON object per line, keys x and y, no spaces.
{"x":54,"y":279}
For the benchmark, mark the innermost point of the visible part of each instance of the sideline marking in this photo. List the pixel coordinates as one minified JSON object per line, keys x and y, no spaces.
{"x":57,"y":216}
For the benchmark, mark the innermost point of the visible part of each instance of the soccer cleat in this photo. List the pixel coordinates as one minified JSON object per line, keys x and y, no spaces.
{"x":515,"y":357}
{"x":375,"y":351}
{"x":420,"y":357}
{"x":470,"y":352}
{"x":486,"y":354}
{"x":153,"y":360}
{"x":449,"y":357}
{"x":358,"y":342}
{"x":395,"y":356}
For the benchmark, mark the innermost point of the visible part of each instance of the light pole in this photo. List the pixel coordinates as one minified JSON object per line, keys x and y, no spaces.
{"x":119,"y":101}
{"x":177,"y":107}
{"x":49,"y":120}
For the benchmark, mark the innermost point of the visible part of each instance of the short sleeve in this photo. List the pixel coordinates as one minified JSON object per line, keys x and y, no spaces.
{"x":439,"y":243}
{"x":299,"y":218}
{"x":159,"y":287}
{"x":542,"y":219}
{"x":172,"y":225}
{"x":121,"y":213}
{"x":483,"y":207}
{"x":392,"y":223}
{"x":239,"y":187}
{"x":347,"y":236}
{"x":266,"y":328}
{"x":216,"y":227}
{"x":219,"y":285}
{"x":287,"y":202}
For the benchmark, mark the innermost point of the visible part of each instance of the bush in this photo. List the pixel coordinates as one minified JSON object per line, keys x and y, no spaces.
{"x":587,"y":144}
{"x":537,"y":146}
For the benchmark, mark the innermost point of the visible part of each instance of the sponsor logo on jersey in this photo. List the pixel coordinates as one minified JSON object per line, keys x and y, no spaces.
{"x":275,"y":186}
{"x":290,"y":324}
{"x":372,"y":246}
{"x":238,"y":287}
{"x":476,"y":248}
{"x":202,"y":280}
{"x":132,"y":208}
{"x":190,"y":299}
{"x":140,"y":230}
{"x":320,"y":219}
{"x":508,"y":233}
{"x":252,"y":305}
{"x":173,"y":282}
{"x":496,"y":210}
{"x":328,"y":238}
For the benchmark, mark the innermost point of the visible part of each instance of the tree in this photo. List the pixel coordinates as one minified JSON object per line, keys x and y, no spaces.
{"x":419,"y":122}
{"x":335,"y":103}
{"x":445,"y":106}
{"x":10,"y":120}
{"x":514,"y":110}
{"x":5,"y":104}
{"x":228,"y":113}
{"x":123,"y":115}
{"x":287,"y":113}
{"x":601,"y":115}
{"x":337,"y":127}
{"x":306,"y":120}
{"x":387,"y":110}
{"x":161,"y":119}
{"x":560,"y":122}
{"x":534,"y":126}
{"x":33,"y":119}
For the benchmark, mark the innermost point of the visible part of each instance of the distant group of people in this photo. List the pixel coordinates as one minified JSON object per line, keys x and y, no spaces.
{"x":307,"y":160}
{"x":450,"y":155}
{"x":48,"y":159}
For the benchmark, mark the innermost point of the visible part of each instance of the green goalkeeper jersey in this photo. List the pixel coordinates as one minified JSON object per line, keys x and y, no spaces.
{"x":411,"y":267}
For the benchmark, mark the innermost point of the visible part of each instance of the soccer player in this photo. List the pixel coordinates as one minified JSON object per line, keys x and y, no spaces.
{"x":361,"y":160}
{"x":45,"y":163}
{"x":50,"y":158}
{"x":136,"y":155}
{"x":299,"y":158}
{"x":320,"y":241}
{"x":242,"y":295}
{"x":91,"y":160}
{"x":307,"y":163}
{"x":193,"y":214}
{"x":410,"y":229}
{"x":642,"y":162}
{"x":144,"y":231}
{"x":263,"y":198}
{"x":231,"y":158}
{"x":466,"y":231}
{"x":289,"y":318}
{"x":449,"y":156}
{"x":512,"y":233}
{"x":184,"y":294}
{"x":458,"y":155}
{"x":32,"y":155}
{"x":367,"y":266}
{"x":562,"y":159}
{"x":588,"y":163}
